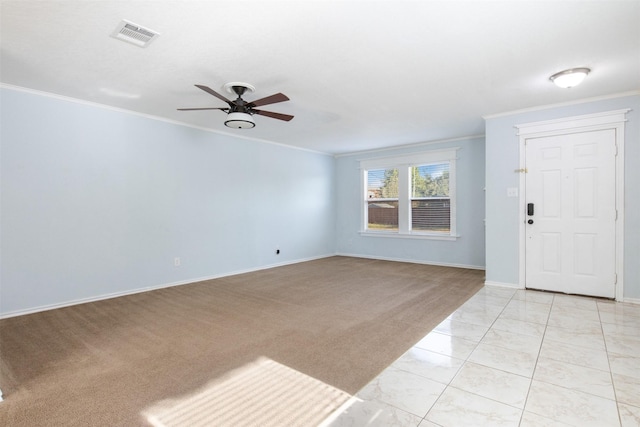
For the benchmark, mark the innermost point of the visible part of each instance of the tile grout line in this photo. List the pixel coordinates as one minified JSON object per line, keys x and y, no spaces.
{"x":606,"y":349}
{"x":535,"y":366}
{"x":615,"y":400}
{"x":476,"y":339}
{"x":554,"y":303}
{"x":467,"y":360}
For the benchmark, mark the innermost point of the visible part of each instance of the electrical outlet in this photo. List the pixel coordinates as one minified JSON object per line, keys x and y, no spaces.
{"x":176,"y":261}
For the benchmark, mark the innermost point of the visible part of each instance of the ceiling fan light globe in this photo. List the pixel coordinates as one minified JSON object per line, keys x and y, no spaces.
{"x":239,"y":121}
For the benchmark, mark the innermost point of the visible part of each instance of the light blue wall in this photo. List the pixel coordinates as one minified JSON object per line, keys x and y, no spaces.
{"x":467,"y":251}
{"x":502,"y":157}
{"x":98,"y":202}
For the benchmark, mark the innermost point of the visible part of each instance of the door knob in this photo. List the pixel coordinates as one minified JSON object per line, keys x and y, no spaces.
{"x":530,"y":221}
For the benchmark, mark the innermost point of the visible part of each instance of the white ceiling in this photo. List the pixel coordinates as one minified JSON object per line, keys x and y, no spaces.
{"x":360,"y":74}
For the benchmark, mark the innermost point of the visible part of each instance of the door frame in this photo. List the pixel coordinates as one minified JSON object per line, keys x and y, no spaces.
{"x":564,"y":126}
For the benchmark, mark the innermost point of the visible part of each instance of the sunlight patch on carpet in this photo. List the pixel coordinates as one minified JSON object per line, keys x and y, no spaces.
{"x":262,"y":393}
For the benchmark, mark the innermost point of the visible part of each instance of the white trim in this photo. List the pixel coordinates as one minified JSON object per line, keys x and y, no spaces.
{"x":453,"y":200}
{"x":522,"y":231}
{"x":615,"y":120}
{"x":410,"y":235}
{"x":620,"y":138}
{"x":152,"y":117}
{"x":503,"y":285}
{"x":412,"y":261}
{"x":152,"y":288}
{"x":631,"y":300}
{"x":218,"y":276}
{"x":404,"y":194}
{"x":364,"y":211}
{"x":424,"y":157}
{"x":406,"y":146}
{"x":572,"y":124}
{"x":562,"y":104}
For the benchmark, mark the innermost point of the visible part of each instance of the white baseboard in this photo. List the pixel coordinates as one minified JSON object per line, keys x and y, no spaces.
{"x":152,"y":288}
{"x":217,"y":276}
{"x":502,"y":284}
{"x":631,"y":300}
{"x":413,"y":261}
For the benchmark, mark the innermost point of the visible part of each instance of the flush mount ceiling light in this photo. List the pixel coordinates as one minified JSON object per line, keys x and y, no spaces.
{"x":570,"y":78}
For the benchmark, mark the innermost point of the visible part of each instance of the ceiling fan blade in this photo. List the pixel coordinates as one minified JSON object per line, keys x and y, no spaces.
{"x":206,"y":108}
{"x":278,"y":97}
{"x":214,"y":93}
{"x":273,"y":115}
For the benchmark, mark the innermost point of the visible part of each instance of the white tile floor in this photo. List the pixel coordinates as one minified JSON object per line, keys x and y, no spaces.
{"x":513,"y":358}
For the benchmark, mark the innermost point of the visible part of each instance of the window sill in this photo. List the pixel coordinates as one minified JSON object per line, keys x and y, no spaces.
{"x":419,"y":236}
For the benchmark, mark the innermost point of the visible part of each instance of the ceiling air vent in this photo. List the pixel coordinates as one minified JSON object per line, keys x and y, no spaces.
{"x":134,"y":33}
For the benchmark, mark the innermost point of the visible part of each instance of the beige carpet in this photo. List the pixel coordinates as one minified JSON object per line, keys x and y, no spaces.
{"x":283,"y":346}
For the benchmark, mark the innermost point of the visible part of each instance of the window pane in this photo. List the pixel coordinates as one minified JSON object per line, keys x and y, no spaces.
{"x":383,"y":216}
{"x":430,"y":180}
{"x":382,"y":184}
{"x":432,"y":215}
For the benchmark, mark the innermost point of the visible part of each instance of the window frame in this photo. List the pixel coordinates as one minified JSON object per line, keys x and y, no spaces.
{"x":403,"y":164}
{"x":379,"y":200}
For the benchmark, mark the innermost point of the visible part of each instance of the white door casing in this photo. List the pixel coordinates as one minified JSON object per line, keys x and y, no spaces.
{"x":575,"y":243}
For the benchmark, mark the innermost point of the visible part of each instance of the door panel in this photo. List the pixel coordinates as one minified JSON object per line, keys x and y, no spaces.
{"x":570,"y":245}
{"x":585,"y":253}
{"x":551,"y":252}
{"x":551,"y":195}
{"x":585,"y":192}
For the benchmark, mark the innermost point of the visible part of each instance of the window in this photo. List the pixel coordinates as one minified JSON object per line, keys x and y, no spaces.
{"x":410,"y":196}
{"x":382,"y":199}
{"x":430,"y":200}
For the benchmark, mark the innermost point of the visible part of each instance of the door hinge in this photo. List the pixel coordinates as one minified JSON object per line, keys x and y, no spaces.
{"x":615,"y":144}
{"x":523,"y":170}
{"x":615,"y":278}
{"x":616,"y":215}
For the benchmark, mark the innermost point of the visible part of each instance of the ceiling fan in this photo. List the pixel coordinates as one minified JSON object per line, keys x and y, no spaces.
{"x":240,"y":112}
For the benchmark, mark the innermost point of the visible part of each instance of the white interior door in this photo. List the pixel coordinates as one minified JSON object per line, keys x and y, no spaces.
{"x":570,"y":234}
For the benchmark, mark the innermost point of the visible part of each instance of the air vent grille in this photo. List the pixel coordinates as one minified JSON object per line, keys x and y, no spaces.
{"x":135,"y":34}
